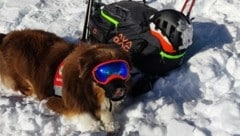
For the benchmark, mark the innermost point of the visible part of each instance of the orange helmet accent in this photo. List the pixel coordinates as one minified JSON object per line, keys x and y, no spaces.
{"x":166,"y":45}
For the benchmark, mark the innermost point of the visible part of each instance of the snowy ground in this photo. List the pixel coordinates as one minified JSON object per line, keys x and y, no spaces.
{"x":202,"y":98}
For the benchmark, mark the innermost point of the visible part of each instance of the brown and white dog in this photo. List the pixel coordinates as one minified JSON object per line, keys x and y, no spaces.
{"x":31,"y":61}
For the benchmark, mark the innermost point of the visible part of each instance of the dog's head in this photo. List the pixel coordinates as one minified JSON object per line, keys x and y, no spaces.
{"x":109,"y":68}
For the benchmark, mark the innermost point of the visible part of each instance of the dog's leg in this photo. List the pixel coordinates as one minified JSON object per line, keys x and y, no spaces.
{"x":4,"y":73}
{"x":12,"y":80}
{"x":108,"y":121}
{"x":22,"y":85}
{"x":56,"y":104}
{"x":18,"y":84}
{"x":28,"y":89}
{"x":106,"y":116}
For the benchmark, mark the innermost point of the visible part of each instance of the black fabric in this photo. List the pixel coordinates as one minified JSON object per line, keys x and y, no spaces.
{"x":154,"y":64}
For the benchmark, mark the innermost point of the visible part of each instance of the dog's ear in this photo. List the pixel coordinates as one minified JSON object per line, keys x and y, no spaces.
{"x":82,"y":66}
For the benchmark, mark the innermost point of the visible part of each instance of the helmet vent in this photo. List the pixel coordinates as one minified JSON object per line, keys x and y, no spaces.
{"x":164,"y":25}
{"x":158,"y":21}
{"x":172,"y":29}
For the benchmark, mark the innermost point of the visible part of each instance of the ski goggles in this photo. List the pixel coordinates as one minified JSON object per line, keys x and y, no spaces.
{"x":109,"y":70}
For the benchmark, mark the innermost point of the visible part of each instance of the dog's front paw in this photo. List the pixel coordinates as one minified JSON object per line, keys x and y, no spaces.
{"x":108,"y":122}
{"x":56,"y":104}
{"x":112,"y":127}
{"x":44,"y":109}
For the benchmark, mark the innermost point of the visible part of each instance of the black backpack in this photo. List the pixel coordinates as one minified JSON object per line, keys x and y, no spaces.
{"x":126,"y":24}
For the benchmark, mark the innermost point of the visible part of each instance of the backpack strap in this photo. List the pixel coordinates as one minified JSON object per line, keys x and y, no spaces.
{"x":152,"y":43}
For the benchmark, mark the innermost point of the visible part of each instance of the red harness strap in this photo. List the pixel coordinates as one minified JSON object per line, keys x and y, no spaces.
{"x":58,"y":81}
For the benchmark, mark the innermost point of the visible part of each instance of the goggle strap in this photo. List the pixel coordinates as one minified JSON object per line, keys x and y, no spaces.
{"x":110,"y":105}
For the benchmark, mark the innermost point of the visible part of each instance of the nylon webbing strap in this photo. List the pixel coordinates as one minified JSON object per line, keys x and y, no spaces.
{"x":110,"y":19}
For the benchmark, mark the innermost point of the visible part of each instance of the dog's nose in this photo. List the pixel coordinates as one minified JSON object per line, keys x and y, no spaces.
{"x":116,"y":89}
{"x":118,"y":93}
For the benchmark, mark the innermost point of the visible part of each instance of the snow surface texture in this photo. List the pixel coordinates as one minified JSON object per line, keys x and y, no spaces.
{"x":202,"y":98}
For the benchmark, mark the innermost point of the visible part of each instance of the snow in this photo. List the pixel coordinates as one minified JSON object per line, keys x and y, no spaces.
{"x":202,"y":98}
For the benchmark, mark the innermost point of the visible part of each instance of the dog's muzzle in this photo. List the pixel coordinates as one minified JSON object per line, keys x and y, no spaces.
{"x":115,"y":90}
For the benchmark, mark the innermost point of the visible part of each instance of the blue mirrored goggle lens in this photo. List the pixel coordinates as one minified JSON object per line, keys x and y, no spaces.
{"x":103,"y":72}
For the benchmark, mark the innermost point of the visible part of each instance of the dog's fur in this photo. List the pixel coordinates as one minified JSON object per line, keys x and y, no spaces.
{"x":29,"y":59}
